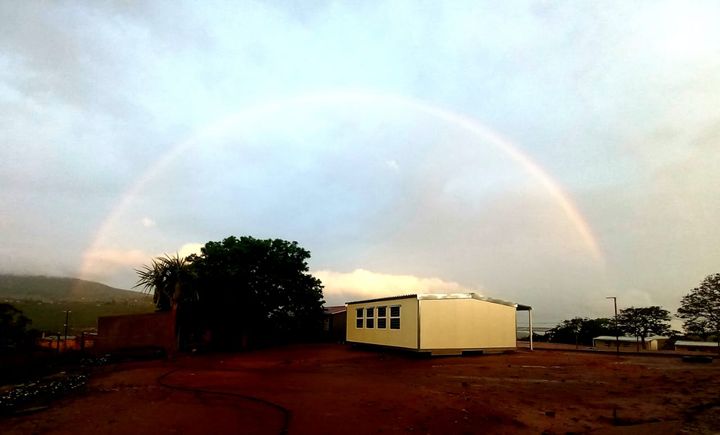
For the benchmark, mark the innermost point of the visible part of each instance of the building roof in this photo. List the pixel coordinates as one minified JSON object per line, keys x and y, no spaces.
{"x":630,"y":339}
{"x":696,"y":343}
{"x":389,"y":298}
{"x":336,"y":309}
{"x":438,"y":296}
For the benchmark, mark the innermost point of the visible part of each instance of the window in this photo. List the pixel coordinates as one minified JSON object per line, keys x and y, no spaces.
{"x":382,"y":317}
{"x":359,"y":318}
{"x":395,"y":317}
{"x":370,"y":317}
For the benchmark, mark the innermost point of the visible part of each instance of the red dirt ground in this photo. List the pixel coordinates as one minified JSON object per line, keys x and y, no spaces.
{"x":335,"y":389}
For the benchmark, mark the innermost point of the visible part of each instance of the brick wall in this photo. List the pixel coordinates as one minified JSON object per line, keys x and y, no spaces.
{"x":137,"y":331}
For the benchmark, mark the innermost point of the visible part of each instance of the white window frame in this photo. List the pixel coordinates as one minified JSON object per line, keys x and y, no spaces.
{"x":379,"y":318}
{"x":399,"y":308}
{"x":359,"y":320}
{"x":369,"y":317}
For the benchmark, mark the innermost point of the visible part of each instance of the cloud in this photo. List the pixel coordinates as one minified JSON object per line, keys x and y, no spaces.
{"x":100,"y":263}
{"x":190,"y":248}
{"x":365,"y":284}
{"x":625,"y":121}
{"x":636,"y":298}
{"x":392,"y":164}
{"x":115,"y":257}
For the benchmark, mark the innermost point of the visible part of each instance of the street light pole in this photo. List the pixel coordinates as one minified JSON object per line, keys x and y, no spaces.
{"x":617,"y":333}
{"x":67,"y":319}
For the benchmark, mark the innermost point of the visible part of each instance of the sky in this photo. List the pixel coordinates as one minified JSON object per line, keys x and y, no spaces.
{"x":547,"y":153}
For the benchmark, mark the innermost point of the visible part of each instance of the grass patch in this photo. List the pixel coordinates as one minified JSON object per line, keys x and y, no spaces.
{"x":50,"y":316}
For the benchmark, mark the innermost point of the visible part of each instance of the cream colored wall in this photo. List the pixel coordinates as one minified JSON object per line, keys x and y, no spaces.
{"x":466,"y":324}
{"x":612,"y":344}
{"x":405,"y":337}
{"x":649,"y":344}
{"x":656,"y":344}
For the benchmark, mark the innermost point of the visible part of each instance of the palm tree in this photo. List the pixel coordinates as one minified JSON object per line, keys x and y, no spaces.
{"x":172,"y":281}
{"x":170,"y":278}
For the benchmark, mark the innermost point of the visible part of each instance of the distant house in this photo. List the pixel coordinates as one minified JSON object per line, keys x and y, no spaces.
{"x":696,"y":346}
{"x":59,"y":342}
{"x":73,"y":342}
{"x":655,"y":342}
{"x":435,"y":323}
{"x":335,"y":319}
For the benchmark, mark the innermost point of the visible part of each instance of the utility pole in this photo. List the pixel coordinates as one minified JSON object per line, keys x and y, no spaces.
{"x":67,"y":318}
{"x":617,"y":333}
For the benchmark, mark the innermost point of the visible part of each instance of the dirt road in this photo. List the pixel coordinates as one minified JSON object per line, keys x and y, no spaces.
{"x":334,"y":389}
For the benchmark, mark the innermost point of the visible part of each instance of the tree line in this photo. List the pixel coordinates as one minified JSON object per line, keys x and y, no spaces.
{"x":699,"y":310}
{"x":245,"y":292}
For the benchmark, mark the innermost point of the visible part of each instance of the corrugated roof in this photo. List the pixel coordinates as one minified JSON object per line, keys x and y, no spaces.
{"x":630,"y":339}
{"x":439,"y":296}
{"x":696,"y":343}
{"x":336,"y":309}
{"x":389,"y":298}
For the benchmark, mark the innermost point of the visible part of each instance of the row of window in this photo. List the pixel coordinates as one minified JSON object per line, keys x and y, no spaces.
{"x":377,"y":317}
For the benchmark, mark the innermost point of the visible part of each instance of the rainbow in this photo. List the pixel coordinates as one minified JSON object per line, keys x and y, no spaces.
{"x":345,"y":98}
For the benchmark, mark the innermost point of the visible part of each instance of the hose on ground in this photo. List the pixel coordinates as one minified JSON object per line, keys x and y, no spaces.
{"x":286,"y":413}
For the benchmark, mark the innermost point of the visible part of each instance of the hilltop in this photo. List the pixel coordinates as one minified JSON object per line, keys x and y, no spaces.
{"x":52,"y":289}
{"x":44,"y":300}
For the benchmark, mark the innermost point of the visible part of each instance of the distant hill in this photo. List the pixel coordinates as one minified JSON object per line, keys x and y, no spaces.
{"x":50,"y":289}
{"x":44,"y":300}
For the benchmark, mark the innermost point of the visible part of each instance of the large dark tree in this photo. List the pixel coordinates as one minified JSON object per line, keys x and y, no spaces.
{"x":239,"y":292}
{"x":256,"y":291}
{"x":579,"y":330}
{"x":642,"y":322}
{"x":15,"y":332}
{"x":700,"y":309}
